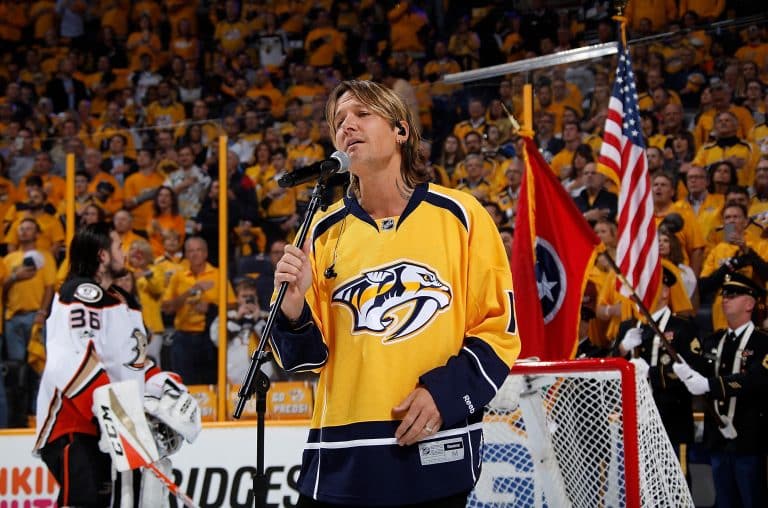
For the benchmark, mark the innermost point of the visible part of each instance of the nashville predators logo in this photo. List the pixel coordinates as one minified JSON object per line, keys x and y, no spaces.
{"x":395,"y":301}
{"x":139,"y":350}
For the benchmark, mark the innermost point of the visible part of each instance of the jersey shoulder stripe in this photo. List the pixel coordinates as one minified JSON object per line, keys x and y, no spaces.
{"x":88,"y":292}
{"x":328,"y":221}
{"x":443,"y":198}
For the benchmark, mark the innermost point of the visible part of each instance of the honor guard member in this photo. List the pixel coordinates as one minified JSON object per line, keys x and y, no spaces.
{"x":672,"y":399}
{"x":733,"y":373}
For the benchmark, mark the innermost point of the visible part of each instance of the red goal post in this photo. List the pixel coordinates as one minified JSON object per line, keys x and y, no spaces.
{"x":577,"y":433}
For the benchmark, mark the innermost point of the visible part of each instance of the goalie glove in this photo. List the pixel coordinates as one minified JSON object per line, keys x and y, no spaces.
{"x":694,"y":382}
{"x":168,"y":400}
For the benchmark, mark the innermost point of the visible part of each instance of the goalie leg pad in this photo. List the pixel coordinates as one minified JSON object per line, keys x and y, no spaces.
{"x":82,"y":471}
{"x":125,"y":431}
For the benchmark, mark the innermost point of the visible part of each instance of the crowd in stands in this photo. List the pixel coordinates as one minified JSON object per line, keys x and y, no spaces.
{"x":140,"y":91}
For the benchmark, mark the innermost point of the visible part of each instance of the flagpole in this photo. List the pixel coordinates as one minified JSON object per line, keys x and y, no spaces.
{"x":643,"y":309}
{"x":620,"y":6}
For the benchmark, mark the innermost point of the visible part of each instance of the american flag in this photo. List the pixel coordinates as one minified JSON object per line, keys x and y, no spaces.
{"x":623,"y":153}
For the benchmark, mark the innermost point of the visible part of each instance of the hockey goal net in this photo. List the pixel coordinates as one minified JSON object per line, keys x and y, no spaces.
{"x":582,"y":433}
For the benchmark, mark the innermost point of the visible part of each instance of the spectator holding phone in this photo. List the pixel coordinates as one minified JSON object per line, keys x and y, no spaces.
{"x":244,"y":326}
{"x":736,"y":253}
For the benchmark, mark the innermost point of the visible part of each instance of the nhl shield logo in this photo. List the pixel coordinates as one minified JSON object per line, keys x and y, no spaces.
{"x":550,"y":279}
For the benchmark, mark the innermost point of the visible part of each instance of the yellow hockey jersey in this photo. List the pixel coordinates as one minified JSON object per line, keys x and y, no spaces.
{"x":420,"y":299}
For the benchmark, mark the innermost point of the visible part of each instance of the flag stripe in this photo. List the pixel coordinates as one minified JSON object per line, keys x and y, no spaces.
{"x":623,"y":152}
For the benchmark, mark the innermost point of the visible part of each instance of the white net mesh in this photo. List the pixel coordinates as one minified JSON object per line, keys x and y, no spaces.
{"x":557,"y":440}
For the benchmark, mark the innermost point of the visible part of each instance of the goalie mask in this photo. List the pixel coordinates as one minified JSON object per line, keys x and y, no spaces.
{"x":168,"y":441}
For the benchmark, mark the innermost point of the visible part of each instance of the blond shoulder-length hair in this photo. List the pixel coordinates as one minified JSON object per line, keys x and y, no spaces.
{"x":387,"y":104}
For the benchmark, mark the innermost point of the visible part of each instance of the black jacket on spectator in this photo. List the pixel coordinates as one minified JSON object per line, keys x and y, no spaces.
{"x":604,"y":199}
{"x":208,"y":219}
{"x":56,"y":91}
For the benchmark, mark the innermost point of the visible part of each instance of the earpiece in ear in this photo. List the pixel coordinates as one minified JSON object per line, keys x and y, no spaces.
{"x":401,"y":129}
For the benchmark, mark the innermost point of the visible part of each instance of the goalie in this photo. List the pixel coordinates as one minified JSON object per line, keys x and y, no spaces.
{"x":96,"y":338}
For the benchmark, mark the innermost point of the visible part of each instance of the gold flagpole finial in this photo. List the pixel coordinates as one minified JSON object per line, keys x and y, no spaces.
{"x":512,"y":120}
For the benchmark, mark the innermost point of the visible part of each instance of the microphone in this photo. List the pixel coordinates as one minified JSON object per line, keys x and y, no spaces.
{"x":338,"y":163}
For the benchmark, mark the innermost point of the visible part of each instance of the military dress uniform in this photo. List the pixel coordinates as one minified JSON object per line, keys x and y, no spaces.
{"x":672,"y":398}
{"x":735,"y":363}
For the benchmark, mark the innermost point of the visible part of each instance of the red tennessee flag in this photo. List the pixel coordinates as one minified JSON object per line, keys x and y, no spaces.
{"x":554,"y":247}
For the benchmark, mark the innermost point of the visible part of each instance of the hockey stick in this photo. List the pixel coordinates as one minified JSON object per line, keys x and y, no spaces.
{"x":129,"y":425}
{"x":131,"y":446}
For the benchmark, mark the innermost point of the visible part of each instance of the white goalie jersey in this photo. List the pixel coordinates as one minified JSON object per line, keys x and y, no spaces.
{"x":93,"y":337}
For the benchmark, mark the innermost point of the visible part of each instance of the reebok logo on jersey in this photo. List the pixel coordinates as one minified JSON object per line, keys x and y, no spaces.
{"x":395,"y":301}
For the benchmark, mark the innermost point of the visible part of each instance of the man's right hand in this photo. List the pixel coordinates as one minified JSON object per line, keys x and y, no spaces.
{"x":25,"y":272}
{"x":294,"y":268}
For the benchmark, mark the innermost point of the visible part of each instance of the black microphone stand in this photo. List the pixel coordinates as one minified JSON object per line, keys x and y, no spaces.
{"x":255,"y":380}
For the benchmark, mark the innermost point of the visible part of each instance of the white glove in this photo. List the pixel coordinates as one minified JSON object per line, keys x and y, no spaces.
{"x":632,"y":339}
{"x":728,"y":431}
{"x":168,"y":400}
{"x":694,"y":382}
{"x":641,"y":366}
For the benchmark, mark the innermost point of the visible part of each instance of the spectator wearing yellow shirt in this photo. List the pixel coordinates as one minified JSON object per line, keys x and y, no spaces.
{"x":758,"y":206}
{"x":144,"y":41}
{"x":735,"y":253}
{"x":561,"y":162}
{"x":149,"y":286}
{"x":82,"y":197}
{"x":324,"y":44}
{"x":278,"y":204}
{"x":113,"y":123}
{"x":475,"y":182}
{"x":707,"y":10}
{"x":755,"y":49}
{"x":690,"y":235}
{"x":172,"y":259}
{"x":658,"y":12}
{"x":302,"y":151}
{"x":13,"y":20}
{"x":475,"y":122}
{"x":42,"y":17}
{"x":28,"y":289}
{"x":50,"y":233}
{"x":231,"y":32}
{"x":110,"y":202}
{"x":262,"y":86}
{"x":728,"y":145}
{"x":53,"y":185}
{"x":140,"y":189}
{"x":464,"y":45}
{"x":192,"y":295}
{"x":165,"y":111}
{"x":123,"y":223}
{"x":721,"y":94}
{"x":705,"y":206}
{"x":165,"y":218}
{"x":406,"y":24}
{"x":185,"y":44}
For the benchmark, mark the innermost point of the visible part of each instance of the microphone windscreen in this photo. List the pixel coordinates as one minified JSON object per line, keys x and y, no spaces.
{"x":343,"y":159}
